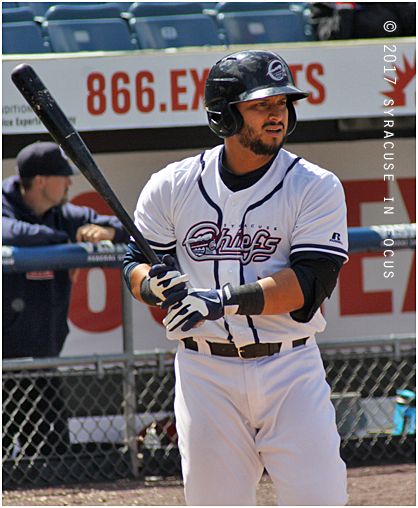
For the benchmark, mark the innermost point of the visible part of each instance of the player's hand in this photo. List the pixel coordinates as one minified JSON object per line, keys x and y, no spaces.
{"x":196,"y":307}
{"x":94,"y":234}
{"x":166,"y":283}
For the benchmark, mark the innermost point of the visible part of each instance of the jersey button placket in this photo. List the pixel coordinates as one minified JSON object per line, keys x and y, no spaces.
{"x":231,"y":267}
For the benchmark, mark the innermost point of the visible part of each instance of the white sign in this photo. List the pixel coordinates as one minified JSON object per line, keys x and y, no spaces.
{"x":161,"y":89}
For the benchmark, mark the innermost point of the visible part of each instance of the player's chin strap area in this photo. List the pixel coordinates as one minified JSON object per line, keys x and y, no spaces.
{"x":249,"y":352}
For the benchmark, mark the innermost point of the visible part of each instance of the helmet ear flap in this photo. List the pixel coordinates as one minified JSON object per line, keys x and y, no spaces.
{"x":226,"y":122}
{"x":239,"y":121}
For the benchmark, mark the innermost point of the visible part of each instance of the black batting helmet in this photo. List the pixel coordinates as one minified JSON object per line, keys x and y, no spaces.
{"x":245,"y":76}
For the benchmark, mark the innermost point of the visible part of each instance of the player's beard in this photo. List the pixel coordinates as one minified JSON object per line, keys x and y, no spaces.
{"x":248,"y":139}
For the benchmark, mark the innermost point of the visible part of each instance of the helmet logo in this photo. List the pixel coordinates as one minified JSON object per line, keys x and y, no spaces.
{"x":276,"y":70}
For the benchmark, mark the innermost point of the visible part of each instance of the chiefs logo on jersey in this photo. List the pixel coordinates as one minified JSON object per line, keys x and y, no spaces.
{"x":207,"y":241}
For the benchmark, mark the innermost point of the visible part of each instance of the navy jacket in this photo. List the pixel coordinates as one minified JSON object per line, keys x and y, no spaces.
{"x":36,"y":304}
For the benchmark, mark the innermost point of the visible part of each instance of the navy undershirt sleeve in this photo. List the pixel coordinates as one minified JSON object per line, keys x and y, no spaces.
{"x":135,"y":257}
{"x":317,"y":274}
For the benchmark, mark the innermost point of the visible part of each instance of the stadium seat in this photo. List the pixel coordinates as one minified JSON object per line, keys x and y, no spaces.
{"x":17,"y":15}
{"x":151,"y":9}
{"x":124,"y":6}
{"x":251,"y":6}
{"x":87,"y":27}
{"x":89,"y":35}
{"x":163,"y":32}
{"x":40,"y":8}
{"x":83,"y":11}
{"x":9,"y":5}
{"x":22,"y":38}
{"x":209,"y":5}
{"x":262,"y":27}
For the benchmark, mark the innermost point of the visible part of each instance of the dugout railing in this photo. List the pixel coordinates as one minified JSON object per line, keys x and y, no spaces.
{"x":118,"y":409}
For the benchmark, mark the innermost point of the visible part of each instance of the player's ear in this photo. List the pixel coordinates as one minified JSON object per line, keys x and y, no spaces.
{"x":38,"y":182}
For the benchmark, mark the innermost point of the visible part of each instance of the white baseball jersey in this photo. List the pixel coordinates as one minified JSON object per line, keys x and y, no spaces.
{"x":239,"y":237}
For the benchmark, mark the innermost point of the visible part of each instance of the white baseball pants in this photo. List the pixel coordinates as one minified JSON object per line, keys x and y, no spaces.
{"x":236,"y":417}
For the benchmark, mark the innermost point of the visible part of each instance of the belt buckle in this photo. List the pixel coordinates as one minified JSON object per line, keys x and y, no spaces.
{"x":240,"y":350}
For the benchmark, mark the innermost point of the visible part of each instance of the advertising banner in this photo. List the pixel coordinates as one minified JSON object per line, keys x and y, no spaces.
{"x":165,"y":89}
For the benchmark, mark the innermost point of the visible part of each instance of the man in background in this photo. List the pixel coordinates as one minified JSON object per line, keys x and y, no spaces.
{"x":36,"y":212}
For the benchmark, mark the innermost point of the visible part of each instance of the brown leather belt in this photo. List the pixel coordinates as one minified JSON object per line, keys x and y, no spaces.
{"x":247,"y":352}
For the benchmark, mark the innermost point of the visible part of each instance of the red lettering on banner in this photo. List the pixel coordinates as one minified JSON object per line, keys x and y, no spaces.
{"x":312,"y":70}
{"x":80,"y":314}
{"x":411,"y":290}
{"x":358,"y":192}
{"x":121,"y":98}
{"x":176,"y":90}
{"x":96,"y":99}
{"x":319,"y":70}
{"x":145,"y":96}
{"x":199,"y":86}
{"x":353,"y":299}
{"x":294,"y":69}
{"x":407,"y":187}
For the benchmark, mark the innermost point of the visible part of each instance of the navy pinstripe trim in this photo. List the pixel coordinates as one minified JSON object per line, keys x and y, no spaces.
{"x":218,"y":211}
{"x":313,"y":246}
{"x":219,"y":222}
{"x":270,"y":194}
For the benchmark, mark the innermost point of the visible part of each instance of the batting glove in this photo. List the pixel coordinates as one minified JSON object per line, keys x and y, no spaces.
{"x":199,"y":305}
{"x":167,"y":285}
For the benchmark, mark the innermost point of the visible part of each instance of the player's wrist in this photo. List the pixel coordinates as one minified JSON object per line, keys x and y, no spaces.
{"x":146,"y":293}
{"x":247,"y":299}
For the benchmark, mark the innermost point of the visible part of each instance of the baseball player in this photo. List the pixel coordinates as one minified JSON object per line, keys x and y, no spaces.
{"x":251,"y":239}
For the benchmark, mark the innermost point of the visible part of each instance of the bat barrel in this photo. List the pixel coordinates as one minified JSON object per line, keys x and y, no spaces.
{"x":42,"y":102}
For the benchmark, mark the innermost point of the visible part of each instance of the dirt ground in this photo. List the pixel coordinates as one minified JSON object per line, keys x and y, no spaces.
{"x":390,"y":485}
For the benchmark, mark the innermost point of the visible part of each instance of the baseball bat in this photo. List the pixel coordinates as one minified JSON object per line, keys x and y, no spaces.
{"x":63,"y":132}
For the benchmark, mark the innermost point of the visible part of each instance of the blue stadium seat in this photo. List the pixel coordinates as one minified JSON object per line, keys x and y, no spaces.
{"x":40,"y":8}
{"x":163,"y":32}
{"x":209,"y":5}
{"x":124,"y":6}
{"x":151,"y":9}
{"x":89,"y":35}
{"x":22,"y":38}
{"x":251,"y":6}
{"x":17,"y":15}
{"x":262,"y":27}
{"x":83,"y":11}
{"x":9,"y":5}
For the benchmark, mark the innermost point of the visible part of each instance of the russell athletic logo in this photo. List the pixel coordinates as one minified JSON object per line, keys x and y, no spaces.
{"x":336,"y":237}
{"x":207,"y":241}
{"x":276,"y":70}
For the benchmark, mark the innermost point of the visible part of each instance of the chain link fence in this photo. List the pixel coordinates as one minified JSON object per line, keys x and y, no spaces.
{"x":68,"y":420}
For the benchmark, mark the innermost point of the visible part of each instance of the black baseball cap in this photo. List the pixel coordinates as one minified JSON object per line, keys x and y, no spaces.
{"x":44,"y":158}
